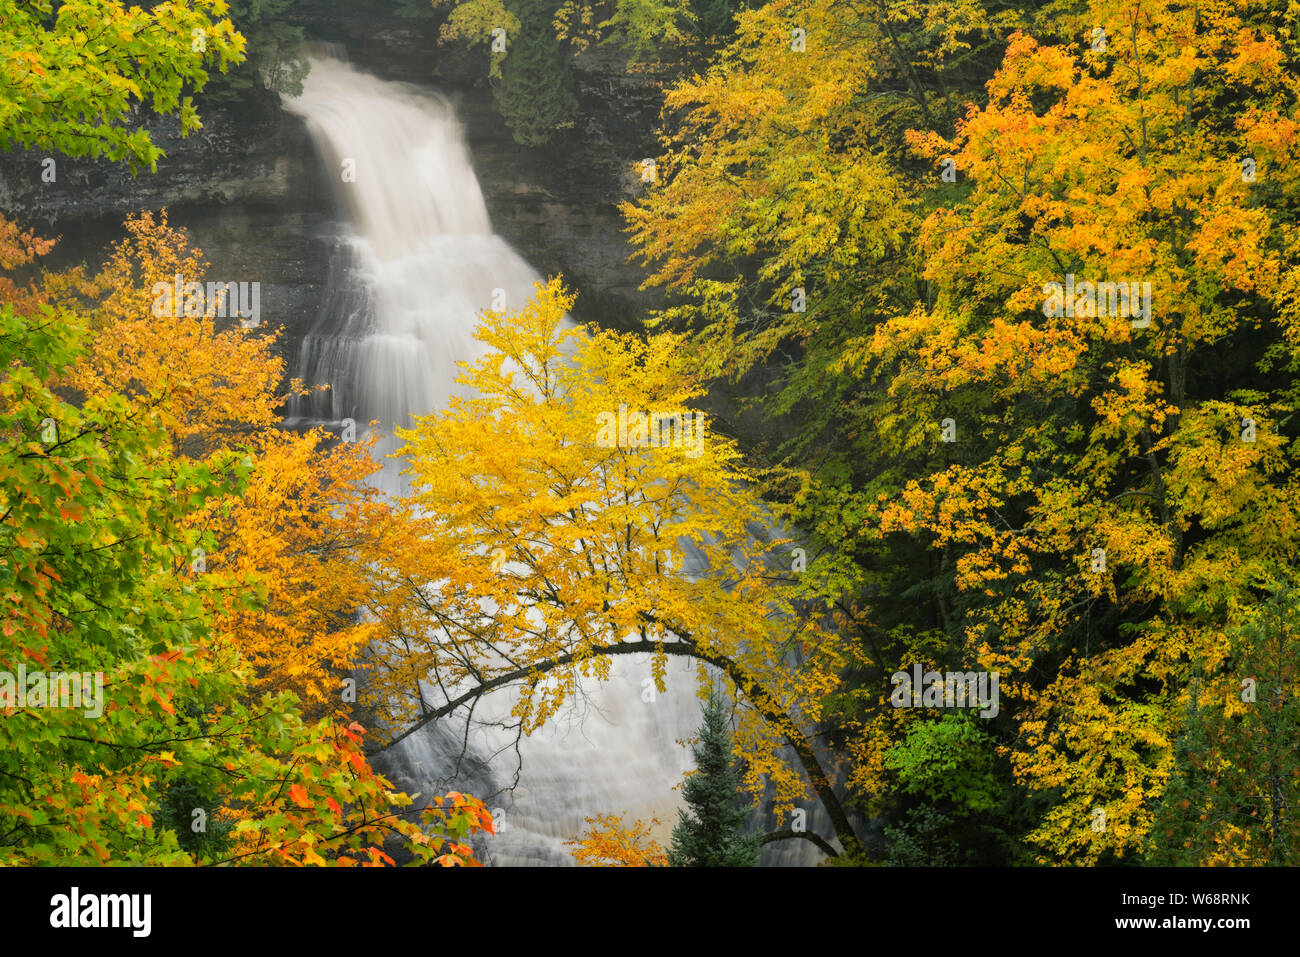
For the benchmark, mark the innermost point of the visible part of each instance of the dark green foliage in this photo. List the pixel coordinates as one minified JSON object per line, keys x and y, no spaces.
{"x":711,"y":833}
{"x":952,"y":796}
{"x":414,"y":9}
{"x":191,"y":811}
{"x":535,"y":95}
{"x":713,"y":18}
{"x":1237,"y":771}
{"x":920,"y":840}
{"x":274,"y":53}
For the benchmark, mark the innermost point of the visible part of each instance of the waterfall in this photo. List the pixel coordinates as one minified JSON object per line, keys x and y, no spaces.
{"x":416,"y":265}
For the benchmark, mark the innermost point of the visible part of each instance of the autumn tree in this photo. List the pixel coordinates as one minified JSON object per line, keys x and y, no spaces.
{"x":213,"y":381}
{"x":551,"y":539}
{"x":784,"y":223}
{"x":609,"y":842}
{"x":102,"y":522}
{"x":1084,"y":499}
{"x":1109,"y":505}
{"x":18,"y":248}
{"x":93,"y":552}
{"x":306,"y":529}
{"x":72,"y":72}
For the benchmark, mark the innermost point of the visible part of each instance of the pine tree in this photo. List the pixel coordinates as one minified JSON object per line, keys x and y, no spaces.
{"x":711,"y":833}
{"x":536,"y":96}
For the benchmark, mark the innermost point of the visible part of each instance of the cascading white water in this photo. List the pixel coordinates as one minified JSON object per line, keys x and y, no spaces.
{"x":419,"y":263}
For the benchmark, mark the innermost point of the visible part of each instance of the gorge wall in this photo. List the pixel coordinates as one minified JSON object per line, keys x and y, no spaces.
{"x":250,"y":189}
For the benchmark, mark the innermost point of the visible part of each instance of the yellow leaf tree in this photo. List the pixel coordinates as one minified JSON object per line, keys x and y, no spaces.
{"x":572,"y":508}
{"x":608,"y":842}
{"x":1109,"y":511}
{"x":302,"y":536}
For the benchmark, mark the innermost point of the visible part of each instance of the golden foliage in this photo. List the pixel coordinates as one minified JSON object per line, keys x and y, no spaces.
{"x":542,"y":551}
{"x":608,"y":842}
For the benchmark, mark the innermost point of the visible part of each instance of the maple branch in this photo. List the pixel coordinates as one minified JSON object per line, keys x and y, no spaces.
{"x":758,"y":696}
{"x":788,"y":834}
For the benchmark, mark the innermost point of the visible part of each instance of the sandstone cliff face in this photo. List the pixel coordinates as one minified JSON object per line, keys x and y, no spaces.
{"x":251,"y":190}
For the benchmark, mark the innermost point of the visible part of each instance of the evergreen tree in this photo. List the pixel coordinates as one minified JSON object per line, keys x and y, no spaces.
{"x":711,"y":833}
{"x":536,"y":95}
{"x":273,"y":56}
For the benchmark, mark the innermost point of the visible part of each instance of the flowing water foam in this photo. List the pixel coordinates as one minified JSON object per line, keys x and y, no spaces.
{"x":415,"y":267}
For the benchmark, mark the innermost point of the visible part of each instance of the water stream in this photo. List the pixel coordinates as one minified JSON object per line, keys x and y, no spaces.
{"x":416,"y":265}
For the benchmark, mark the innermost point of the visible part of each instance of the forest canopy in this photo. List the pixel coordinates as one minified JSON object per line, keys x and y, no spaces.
{"x":996,"y":564}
